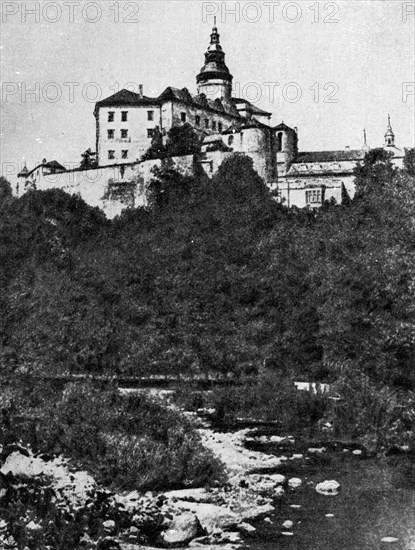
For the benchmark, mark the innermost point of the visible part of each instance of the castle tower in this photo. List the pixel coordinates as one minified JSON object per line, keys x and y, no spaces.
{"x":389,"y":136}
{"x":214,"y":79}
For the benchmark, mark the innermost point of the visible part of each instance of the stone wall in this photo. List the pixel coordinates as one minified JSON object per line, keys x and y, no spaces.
{"x":111,"y":188}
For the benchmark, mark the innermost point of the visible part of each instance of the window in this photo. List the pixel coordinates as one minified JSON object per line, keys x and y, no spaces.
{"x":124,"y":134}
{"x":183,"y":117}
{"x":313,"y":196}
{"x":124,"y":116}
{"x":214,"y":125}
{"x":111,"y":116}
{"x":124,"y":154}
{"x":111,"y":134}
{"x":111,"y":155}
{"x":197,"y":120}
{"x":220,"y":127}
{"x":230,"y":140}
{"x":206,"y":123}
{"x":150,"y":115}
{"x":150,"y":133}
{"x":279,"y":142}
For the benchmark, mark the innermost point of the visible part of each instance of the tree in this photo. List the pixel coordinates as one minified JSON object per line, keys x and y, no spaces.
{"x":182,"y":140}
{"x":89,"y":160}
{"x":375,"y":172}
{"x":5,"y":189}
{"x":409,"y":161}
{"x":157,"y":149}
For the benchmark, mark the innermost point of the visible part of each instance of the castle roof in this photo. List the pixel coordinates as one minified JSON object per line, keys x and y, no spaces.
{"x":251,"y":107}
{"x":283,"y":127}
{"x":330,"y":156}
{"x":125,"y":98}
{"x":54,"y":165}
{"x":23,"y":172}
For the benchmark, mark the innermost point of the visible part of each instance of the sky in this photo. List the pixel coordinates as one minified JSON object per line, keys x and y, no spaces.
{"x":330,"y":69}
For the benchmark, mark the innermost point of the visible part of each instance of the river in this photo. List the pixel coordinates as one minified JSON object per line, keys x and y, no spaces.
{"x":376,"y":501}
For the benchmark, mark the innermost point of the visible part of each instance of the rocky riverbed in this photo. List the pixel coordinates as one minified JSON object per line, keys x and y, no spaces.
{"x":210,"y":517}
{"x":279,"y":491}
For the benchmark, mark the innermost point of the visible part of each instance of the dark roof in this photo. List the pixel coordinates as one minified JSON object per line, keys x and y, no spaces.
{"x":330,"y":156}
{"x":23,"y":172}
{"x":54,"y":165}
{"x":283,"y":126}
{"x":251,"y":107}
{"x":184,"y":96}
{"x":125,"y":98}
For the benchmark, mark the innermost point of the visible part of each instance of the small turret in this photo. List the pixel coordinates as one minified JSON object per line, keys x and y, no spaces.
{"x":389,"y":136}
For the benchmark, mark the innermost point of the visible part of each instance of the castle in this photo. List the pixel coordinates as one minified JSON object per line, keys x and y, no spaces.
{"x":126,"y":123}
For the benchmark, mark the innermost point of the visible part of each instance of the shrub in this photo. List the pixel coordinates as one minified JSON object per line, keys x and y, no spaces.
{"x":272,"y":397}
{"x":126,"y":441}
{"x":380,"y":417}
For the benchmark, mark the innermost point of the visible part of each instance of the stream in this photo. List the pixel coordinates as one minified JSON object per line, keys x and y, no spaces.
{"x":376,"y":500}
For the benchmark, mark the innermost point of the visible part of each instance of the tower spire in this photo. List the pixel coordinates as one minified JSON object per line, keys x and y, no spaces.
{"x":365,"y":146}
{"x":214,"y":79}
{"x":389,"y":136}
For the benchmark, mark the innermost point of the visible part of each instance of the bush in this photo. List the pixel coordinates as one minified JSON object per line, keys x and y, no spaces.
{"x":126,"y":441}
{"x":375,"y":414}
{"x":272,"y":397}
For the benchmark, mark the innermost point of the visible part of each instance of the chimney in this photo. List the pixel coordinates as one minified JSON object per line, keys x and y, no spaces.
{"x":140,"y":90}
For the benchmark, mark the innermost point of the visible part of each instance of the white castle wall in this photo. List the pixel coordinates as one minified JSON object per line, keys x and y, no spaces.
{"x":111,"y":188}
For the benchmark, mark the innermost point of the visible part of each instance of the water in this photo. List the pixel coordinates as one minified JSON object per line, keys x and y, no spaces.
{"x":377,"y":500}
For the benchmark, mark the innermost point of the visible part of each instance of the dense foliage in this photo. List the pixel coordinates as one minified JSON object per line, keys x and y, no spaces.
{"x":213,"y":277}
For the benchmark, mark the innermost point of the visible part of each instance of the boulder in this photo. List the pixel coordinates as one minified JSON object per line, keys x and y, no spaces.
{"x":294,"y":482}
{"x":182,"y":530}
{"x":211,"y":516}
{"x":328,"y":488}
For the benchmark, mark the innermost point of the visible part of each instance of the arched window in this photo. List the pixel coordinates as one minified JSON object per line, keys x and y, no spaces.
{"x":279,"y":142}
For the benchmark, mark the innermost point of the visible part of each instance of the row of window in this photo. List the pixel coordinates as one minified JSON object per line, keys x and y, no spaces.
{"x":111,"y":116}
{"x":111,"y":154}
{"x":313,"y":196}
{"x":111,"y":134}
{"x":207,"y":123}
{"x":183,"y":117}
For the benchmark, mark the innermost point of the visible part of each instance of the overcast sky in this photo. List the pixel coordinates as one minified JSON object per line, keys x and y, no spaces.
{"x":329,"y":68}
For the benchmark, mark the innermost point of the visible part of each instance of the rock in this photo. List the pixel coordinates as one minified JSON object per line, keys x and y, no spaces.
{"x":32,"y":526}
{"x":182,"y":530}
{"x":287,"y":533}
{"x":389,"y":539}
{"x":315,"y":450}
{"x":190,"y":495}
{"x":257,"y":512}
{"x":279,"y":492}
{"x":328,"y":488}
{"x":109,"y":526}
{"x":199,"y":542}
{"x":86,"y":541}
{"x":246,"y":528}
{"x":329,"y":515}
{"x":294,"y":482}
{"x":288,"y":524}
{"x":211,"y":516}
{"x":278,"y":479}
{"x":357,"y":452}
{"x":233,"y":537}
